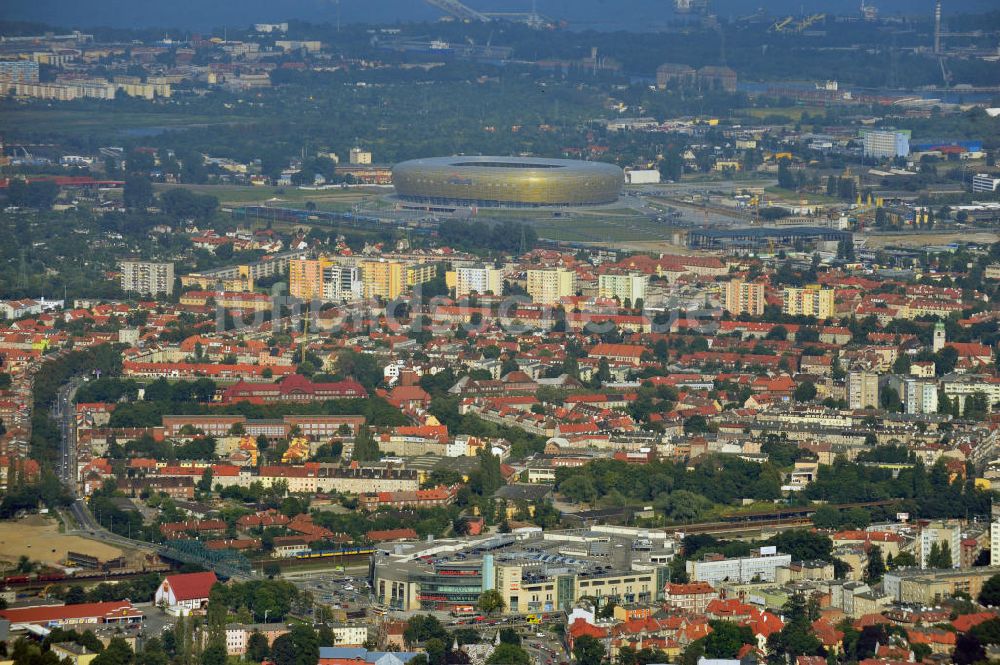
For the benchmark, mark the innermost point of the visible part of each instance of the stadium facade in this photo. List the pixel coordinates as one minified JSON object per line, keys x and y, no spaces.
{"x":507,"y":181}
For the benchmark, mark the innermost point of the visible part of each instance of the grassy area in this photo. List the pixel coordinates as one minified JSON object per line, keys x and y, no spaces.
{"x":602,"y":228}
{"x":792,"y":196}
{"x":330,"y":199}
{"x":583,"y":225}
{"x":109,"y":122}
{"x":793,"y":112}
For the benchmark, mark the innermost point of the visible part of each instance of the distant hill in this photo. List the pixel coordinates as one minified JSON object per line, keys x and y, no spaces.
{"x":581,"y":14}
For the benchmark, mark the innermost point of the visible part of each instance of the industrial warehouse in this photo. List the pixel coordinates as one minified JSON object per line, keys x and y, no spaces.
{"x":507,"y":182}
{"x":533,"y":571}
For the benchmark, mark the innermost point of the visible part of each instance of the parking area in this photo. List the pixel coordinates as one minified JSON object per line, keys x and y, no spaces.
{"x":338,"y":589}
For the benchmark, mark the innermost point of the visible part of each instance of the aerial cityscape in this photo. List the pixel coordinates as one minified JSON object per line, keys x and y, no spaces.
{"x":500,"y":332}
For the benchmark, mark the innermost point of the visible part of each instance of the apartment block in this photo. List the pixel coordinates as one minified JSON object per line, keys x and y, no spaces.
{"x":920,"y":396}
{"x":147,"y":277}
{"x":305,"y":277}
{"x":359,"y":156}
{"x":995,"y":536}
{"x":630,"y":286}
{"x":862,"y":390}
{"x":419,"y":273}
{"x":886,"y":144}
{"x":381,"y":279}
{"x":342,"y":283}
{"x":744,"y":297}
{"x":18,"y":71}
{"x":981,"y":182}
{"x":547,"y":286}
{"x":742,"y":569}
{"x":388,"y":279}
{"x":480,"y":279}
{"x":945,"y":533}
{"x":811,"y":300}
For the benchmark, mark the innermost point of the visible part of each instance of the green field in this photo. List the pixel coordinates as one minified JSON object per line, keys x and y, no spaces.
{"x":793,"y":112}
{"x":596,"y":225}
{"x":331,"y":199}
{"x":602,"y":227}
{"x":102,"y":123}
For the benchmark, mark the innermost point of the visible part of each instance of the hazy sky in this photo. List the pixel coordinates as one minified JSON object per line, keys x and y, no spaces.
{"x":596,"y":14}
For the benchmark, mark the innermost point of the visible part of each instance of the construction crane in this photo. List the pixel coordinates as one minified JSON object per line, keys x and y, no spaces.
{"x":809,"y":21}
{"x":458,"y":10}
{"x":945,"y":73}
{"x":781,"y":24}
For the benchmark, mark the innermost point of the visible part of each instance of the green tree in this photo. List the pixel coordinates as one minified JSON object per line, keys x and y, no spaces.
{"x":726,"y":639}
{"x":672,"y":165}
{"x":588,"y":650}
{"x":138,"y":192}
{"x":805,"y":392}
{"x":579,"y":489}
{"x":283,"y":650}
{"x":785,"y":178}
{"x":684,"y":506}
{"x":939,"y":556}
{"x":436,"y":650}
{"x":257,"y":647}
{"x":421,"y":628}
{"x":118,"y":652}
{"x":510,"y":636}
{"x":214,"y":655}
{"x":509,"y":654}
{"x":796,"y":638}
{"x":989,"y":595}
{"x":875,"y":569}
{"x":365,"y":447}
{"x":491,"y":602}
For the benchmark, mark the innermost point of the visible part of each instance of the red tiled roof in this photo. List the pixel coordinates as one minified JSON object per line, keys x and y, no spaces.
{"x":618,"y":350}
{"x":65,"y":612}
{"x":391,"y":534}
{"x":191,"y":586}
{"x":967,"y":622}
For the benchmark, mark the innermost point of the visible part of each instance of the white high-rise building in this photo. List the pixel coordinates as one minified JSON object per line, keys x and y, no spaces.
{"x":995,"y":536}
{"x":738,"y":569}
{"x":984,"y":182}
{"x":920,"y":396}
{"x":342,"y":283}
{"x":481,"y":279}
{"x":147,"y":277}
{"x":883,"y":144}
{"x":944,"y":533}
{"x":630,"y":286}
{"x":359,"y":157}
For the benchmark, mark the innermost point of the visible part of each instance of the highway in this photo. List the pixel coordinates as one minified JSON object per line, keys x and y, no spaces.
{"x":64,"y":412}
{"x":67,"y":470}
{"x":78,"y":510}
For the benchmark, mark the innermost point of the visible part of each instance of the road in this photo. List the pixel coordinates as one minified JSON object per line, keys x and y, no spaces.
{"x":64,"y":412}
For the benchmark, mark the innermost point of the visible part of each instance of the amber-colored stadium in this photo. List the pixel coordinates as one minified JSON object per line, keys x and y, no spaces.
{"x":507,"y":181}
